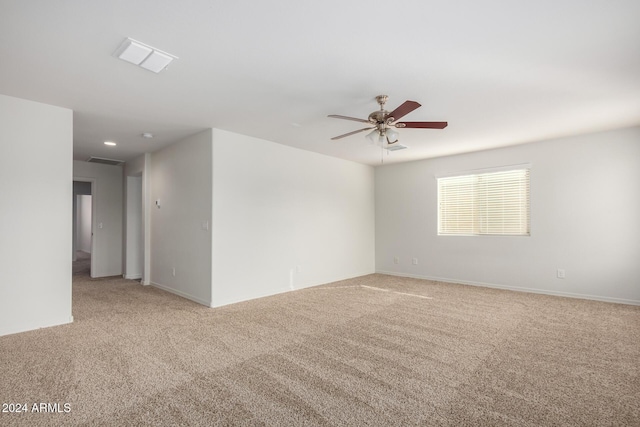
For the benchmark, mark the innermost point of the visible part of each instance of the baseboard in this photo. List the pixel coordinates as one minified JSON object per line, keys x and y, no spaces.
{"x":181,"y":294}
{"x":132,"y":277}
{"x":229,"y":301}
{"x":32,"y":326}
{"x":283,"y":290}
{"x":514,"y":288}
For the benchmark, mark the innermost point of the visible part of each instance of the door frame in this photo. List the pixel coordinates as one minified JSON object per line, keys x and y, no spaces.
{"x":93,"y":218}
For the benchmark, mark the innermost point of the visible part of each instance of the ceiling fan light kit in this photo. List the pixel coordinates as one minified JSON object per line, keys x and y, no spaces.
{"x":382,"y":122}
{"x":383,"y":139}
{"x":392,"y":136}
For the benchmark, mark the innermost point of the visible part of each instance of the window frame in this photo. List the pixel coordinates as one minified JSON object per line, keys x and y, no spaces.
{"x":474,"y":175}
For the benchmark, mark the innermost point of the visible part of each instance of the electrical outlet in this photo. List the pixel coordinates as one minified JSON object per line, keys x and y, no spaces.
{"x":396,"y":260}
{"x":560,"y":273}
{"x":173,"y":272}
{"x":414,"y":261}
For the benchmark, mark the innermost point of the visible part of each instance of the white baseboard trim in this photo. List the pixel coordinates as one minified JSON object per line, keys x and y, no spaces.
{"x":229,"y":301}
{"x":31,"y":326}
{"x":515,"y":288}
{"x":181,"y":294}
{"x":132,"y":277}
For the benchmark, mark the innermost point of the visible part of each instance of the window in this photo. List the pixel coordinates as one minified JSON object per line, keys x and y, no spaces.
{"x":493,"y":203}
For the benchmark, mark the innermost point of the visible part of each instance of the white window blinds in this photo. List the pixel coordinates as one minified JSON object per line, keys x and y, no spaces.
{"x":495,"y":203}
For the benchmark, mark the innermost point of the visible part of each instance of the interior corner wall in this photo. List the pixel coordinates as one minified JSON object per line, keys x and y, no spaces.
{"x":585,"y":206}
{"x":107,"y":212}
{"x":285,"y":218}
{"x":36,"y":212}
{"x":181,"y":191}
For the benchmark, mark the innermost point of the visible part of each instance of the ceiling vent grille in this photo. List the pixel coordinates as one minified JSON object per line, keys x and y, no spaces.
{"x":104,"y":161}
{"x":395,"y":147}
{"x":147,"y":57}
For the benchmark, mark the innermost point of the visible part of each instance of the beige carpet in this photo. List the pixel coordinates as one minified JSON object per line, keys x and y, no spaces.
{"x":376,"y":351}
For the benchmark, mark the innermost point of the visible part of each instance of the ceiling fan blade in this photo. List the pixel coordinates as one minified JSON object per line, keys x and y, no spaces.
{"x":404,"y":109}
{"x":337,"y":116}
{"x":351,"y":133}
{"x":422,"y":125}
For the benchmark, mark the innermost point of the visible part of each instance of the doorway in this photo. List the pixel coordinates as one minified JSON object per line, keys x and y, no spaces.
{"x":82,"y":246}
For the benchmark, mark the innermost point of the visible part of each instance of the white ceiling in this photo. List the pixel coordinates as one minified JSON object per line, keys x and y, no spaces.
{"x":500,"y":72}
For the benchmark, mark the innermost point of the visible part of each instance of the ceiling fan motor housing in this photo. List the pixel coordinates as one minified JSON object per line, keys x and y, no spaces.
{"x":378,"y":117}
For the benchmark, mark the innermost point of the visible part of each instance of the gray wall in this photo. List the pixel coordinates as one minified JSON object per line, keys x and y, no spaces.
{"x":585,"y":211}
{"x":35,"y":215}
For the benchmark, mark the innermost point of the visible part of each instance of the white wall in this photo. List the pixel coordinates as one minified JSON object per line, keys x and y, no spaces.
{"x":35,"y":216}
{"x":180,"y":177}
{"x":107,"y":193}
{"x":585,"y":211}
{"x":134,"y":247}
{"x":84,"y":223}
{"x":285,"y":218}
{"x":140,"y":168}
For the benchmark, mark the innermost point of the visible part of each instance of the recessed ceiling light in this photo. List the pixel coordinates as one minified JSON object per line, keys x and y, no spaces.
{"x":109,"y":143}
{"x":147,"y":135}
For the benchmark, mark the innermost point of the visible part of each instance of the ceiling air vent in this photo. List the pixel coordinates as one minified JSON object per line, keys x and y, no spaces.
{"x":144,"y":55}
{"x":395,"y":147}
{"x":104,"y":161}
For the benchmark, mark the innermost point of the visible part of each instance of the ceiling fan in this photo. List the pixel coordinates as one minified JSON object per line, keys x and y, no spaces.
{"x":383,"y":121}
